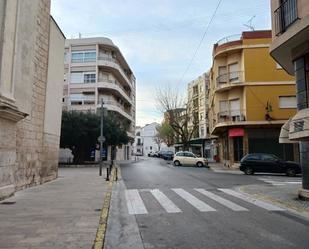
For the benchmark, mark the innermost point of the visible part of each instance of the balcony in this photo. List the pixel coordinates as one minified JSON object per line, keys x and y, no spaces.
{"x":231,"y":116}
{"x":114,"y":64}
{"x":112,"y":105}
{"x":285,"y":16}
{"x":229,"y":80}
{"x":116,"y":86}
{"x":227,"y":43}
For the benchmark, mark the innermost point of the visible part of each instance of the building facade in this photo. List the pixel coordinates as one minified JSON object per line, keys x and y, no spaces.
{"x":96,"y":70}
{"x":31,"y":78}
{"x":290,"y":48}
{"x":250,"y":98}
{"x":145,"y":140}
{"x":201,"y":143}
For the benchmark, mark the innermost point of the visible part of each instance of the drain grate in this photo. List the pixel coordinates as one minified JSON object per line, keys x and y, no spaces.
{"x":8,"y":202}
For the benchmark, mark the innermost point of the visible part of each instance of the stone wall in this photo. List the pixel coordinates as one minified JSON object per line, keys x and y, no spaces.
{"x":29,"y":150}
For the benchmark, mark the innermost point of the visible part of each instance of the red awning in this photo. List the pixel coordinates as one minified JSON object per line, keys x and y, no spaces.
{"x":236,"y":132}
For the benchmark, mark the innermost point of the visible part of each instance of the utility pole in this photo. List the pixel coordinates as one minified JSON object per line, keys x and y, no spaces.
{"x":101,"y":139}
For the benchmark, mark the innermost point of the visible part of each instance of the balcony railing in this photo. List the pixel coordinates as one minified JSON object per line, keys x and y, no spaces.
{"x":230,"y":38}
{"x":231,"y":116}
{"x":115,"y":82}
{"x":285,"y":16}
{"x":82,"y":101}
{"x":105,"y":58}
{"x":230,"y":78}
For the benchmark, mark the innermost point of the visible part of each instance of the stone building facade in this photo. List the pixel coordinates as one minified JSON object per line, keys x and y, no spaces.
{"x":31,"y":81}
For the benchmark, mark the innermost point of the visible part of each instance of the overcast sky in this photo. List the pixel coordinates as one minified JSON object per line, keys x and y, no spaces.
{"x":159,"y":37}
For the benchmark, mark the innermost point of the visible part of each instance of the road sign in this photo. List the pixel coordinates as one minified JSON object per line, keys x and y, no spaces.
{"x":101,"y":139}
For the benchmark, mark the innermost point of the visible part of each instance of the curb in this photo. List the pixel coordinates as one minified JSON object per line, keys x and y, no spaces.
{"x":290,"y":208}
{"x":101,"y":231}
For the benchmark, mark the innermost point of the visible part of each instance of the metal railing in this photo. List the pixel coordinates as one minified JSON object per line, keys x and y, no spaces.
{"x":229,"y":38}
{"x":231,"y":116}
{"x":230,"y":78}
{"x":285,"y":16}
{"x":115,"y":82}
{"x":105,"y":58}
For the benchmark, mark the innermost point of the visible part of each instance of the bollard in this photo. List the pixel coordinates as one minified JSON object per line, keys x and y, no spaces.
{"x":107,"y":174}
{"x":116,"y":174}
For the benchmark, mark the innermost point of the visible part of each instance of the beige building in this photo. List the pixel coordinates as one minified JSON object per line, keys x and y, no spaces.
{"x":290,"y":48}
{"x":198,"y":108}
{"x":31,"y":78}
{"x":95,"y":69}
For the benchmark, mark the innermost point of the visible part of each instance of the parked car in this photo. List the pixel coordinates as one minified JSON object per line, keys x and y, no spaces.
{"x":188,"y":158}
{"x":268,"y":163}
{"x":167,"y":155}
{"x":151,"y":154}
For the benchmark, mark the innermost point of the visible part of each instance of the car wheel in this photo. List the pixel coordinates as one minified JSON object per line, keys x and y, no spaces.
{"x":248,"y":171}
{"x":290,"y":172}
{"x":177,"y":163}
{"x":199,"y":164}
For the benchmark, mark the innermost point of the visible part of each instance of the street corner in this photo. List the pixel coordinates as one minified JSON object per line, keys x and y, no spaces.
{"x":284,"y":196}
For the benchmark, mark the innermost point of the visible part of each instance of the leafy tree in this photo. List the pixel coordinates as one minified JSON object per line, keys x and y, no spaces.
{"x":165,"y":133}
{"x":80,"y":130}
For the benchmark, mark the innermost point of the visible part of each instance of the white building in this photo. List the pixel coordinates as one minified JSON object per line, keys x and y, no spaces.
{"x":145,"y":140}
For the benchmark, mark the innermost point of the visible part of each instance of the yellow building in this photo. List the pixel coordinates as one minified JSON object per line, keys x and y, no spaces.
{"x":250,"y":98}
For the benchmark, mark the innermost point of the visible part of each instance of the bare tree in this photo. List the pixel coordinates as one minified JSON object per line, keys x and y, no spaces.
{"x":178,"y":114}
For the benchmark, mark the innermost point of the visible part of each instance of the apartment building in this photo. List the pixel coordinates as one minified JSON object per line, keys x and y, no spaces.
{"x":290,"y":48}
{"x":96,"y":70}
{"x":198,"y":108}
{"x":250,"y":98}
{"x":31,"y":78}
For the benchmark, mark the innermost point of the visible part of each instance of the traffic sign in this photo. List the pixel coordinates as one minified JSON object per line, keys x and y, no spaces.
{"x":101,"y":139}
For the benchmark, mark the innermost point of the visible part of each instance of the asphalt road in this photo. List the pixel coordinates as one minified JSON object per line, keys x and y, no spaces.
{"x":158,"y":205}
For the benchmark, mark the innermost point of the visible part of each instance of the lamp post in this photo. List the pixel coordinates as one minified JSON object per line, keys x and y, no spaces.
{"x":101,"y":138}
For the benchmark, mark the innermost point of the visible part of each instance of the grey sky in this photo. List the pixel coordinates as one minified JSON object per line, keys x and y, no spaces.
{"x":158,"y":37}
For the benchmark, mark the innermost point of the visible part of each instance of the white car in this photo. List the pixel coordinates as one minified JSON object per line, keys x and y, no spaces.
{"x":188,"y":158}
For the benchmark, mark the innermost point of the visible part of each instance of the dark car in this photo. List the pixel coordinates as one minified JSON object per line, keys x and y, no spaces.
{"x":166,"y":155}
{"x":268,"y":163}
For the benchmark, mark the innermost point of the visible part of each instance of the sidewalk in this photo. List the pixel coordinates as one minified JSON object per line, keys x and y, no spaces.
{"x":60,"y":214}
{"x":220,"y":168}
{"x":285,"y":196}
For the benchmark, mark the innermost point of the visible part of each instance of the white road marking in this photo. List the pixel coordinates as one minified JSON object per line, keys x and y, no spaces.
{"x":221,"y":200}
{"x":279,"y":182}
{"x":198,"y":204}
{"x":134,"y":202}
{"x":251,"y":200}
{"x":165,"y":202}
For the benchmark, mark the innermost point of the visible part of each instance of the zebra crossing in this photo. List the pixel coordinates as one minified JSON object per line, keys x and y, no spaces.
{"x":279,"y":181}
{"x":137,"y":206}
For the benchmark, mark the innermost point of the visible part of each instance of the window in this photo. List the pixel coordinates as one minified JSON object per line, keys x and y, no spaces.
{"x":267,"y":157}
{"x":189,"y":154}
{"x":235,"y":108}
{"x":222,"y":74}
{"x":89,"y":78}
{"x":224,"y":107}
{"x":150,"y":147}
{"x":180,"y":154}
{"x":83,"y":56}
{"x":83,"y":77}
{"x":233,"y":72}
{"x":77,"y":77}
{"x":287,"y":102}
{"x":202,"y":131}
{"x":301,"y":66}
{"x":253,"y":157}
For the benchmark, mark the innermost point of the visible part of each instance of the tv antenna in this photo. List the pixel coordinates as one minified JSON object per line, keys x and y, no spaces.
{"x":249,"y":23}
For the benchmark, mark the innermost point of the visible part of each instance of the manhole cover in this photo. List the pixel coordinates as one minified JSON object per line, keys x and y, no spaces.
{"x":8,"y":202}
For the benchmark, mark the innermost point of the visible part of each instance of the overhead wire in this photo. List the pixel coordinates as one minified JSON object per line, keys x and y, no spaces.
{"x":201,"y":41}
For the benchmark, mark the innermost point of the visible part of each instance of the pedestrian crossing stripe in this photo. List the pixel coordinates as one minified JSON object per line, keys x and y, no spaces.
{"x":136,"y":205}
{"x":280,"y":182}
{"x":198,"y":204}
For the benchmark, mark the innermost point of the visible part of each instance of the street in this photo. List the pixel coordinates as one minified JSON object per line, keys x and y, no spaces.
{"x":158,"y":205}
